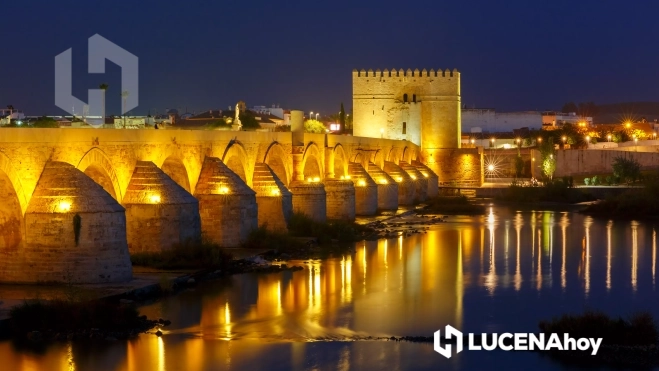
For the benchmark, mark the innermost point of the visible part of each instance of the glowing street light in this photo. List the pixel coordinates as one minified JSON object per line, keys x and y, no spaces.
{"x":539,"y":139}
{"x":310,"y":114}
{"x":317,"y":116}
{"x":564,"y":139}
{"x":517,"y":141}
{"x":490,"y":167}
{"x":587,"y":139}
{"x":654,"y":135}
{"x":608,"y":137}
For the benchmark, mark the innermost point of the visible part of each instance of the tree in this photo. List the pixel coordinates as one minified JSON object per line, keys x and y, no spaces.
{"x":549,"y":167}
{"x":587,"y":109}
{"x":103,"y":87}
{"x":249,"y":122}
{"x":342,"y":118}
{"x":569,"y":107}
{"x":626,"y":169}
{"x":314,"y":127}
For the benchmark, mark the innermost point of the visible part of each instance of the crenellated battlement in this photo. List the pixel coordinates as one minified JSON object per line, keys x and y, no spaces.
{"x":406,"y":73}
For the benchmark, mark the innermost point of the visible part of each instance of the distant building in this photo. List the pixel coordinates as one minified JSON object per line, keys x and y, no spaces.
{"x":274,"y":110}
{"x":488,"y":120}
{"x":555,"y":120}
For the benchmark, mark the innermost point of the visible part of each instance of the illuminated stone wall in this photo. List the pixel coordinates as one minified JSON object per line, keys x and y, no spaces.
{"x":594,"y":162}
{"x":154,"y":173}
{"x":428,"y":102}
{"x":462,"y":167}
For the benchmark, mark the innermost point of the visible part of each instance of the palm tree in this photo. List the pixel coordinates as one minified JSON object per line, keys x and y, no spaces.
{"x":103,"y":87}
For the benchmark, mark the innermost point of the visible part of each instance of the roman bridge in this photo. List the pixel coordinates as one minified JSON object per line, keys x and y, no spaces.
{"x":75,"y":202}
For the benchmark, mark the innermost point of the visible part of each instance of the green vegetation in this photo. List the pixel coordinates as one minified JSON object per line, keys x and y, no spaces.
{"x":283,"y":128}
{"x":189,"y":255}
{"x":641,"y":202}
{"x":453,"y":205}
{"x":249,"y":122}
{"x":314,"y":127}
{"x":627,"y":170}
{"x":556,"y":191}
{"x":217,"y":125}
{"x":639,"y":329}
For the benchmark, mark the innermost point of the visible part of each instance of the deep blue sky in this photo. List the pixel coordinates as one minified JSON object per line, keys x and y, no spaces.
{"x":513,"y":55}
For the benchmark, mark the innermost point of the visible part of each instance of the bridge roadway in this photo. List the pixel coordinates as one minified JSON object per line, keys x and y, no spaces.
{"x":74,"y":203}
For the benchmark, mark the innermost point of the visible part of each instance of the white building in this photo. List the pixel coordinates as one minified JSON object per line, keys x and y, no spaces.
{"x":488,"y":120}
{"x":274,"y":110}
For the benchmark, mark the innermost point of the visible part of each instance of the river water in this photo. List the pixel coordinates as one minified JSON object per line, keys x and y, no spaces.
{"x":502,"y":272}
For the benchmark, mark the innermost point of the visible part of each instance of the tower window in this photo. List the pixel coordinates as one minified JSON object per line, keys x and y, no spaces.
{"x":414,"y":98}
{"x":404,"y":127}
{"x":405,"y":98}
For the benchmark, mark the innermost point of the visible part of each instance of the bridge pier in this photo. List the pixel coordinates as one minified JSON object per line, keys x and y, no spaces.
{"x":309,"y":198}
{"x":75,"y":231}
{"x":366,"y":190}
{"x":159,"y":213}
{"x":433,"y":179}
{"x":227,"y":206}
{"x":387,"y":188}
{"x":275,"y":201}
{"x":406,"y":188}
{"x":340,"y":199}
{"x":421,"y":183}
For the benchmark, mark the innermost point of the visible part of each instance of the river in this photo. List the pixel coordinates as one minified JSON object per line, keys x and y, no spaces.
{"x":502,"y":272}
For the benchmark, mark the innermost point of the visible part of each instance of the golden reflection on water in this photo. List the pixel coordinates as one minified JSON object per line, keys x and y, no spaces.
{"x":402,"y":286}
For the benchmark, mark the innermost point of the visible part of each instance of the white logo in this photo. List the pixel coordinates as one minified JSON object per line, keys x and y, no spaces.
{"x":517,"y":341}
{"x":100,"y":49}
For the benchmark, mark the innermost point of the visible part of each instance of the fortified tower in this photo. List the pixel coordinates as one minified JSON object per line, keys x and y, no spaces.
{"x":419,"y":106}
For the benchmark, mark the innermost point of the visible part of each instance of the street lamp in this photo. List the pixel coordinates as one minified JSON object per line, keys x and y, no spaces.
{"x":517,"y":141}
{"x":654,"y":135}
{"x":539,"y":139}
{"x":587,"y":139}
{"x":381,"y":132}
{"x":608,"y":138}
{"x":473,"y":141}
{"x":317,"y":116}
{"x":310,"y":114}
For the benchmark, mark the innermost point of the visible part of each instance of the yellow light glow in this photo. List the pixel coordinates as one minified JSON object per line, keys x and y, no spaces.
{"x":155,"y":199}
{"x":316,"y":179}
{"x":223,"y":190}
{"x":275,"y":192}
{"x":383,"y":181}
{"x":361,"y":183}
{"x":628,"y":124}
{"x":399,"y":179}
{"x":490,"y":167}
{"x":64,"y":206}
{"x":347,"y":176}
{"x":425,"y":175}
{"x":413,"y":176}
{"x":342,"y":177}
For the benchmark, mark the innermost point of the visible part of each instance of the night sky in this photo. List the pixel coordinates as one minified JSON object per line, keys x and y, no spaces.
{"x":513,"y":55}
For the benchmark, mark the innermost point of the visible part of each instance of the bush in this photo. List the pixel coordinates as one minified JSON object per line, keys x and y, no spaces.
{"x":595,"y":180}
{"x":586,"y":181}
{"x":626,"y":169}
{"x":639,"y":329}
{"x":610,"y":180}
{"x":314,"y":127}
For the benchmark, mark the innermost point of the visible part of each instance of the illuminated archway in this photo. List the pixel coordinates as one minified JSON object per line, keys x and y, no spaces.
{"x":96,"y":165}
{"x":175,"y":169}
{"x":340,"y":162}
{"x":277,"y":160}
{"x":378,"y":158}
{"x":11,"y":211}
{"x":235,"y":157}
{"x":312,"y":167}
{"x":407,"y":155}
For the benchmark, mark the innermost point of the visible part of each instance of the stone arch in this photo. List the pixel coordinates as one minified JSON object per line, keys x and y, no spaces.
{"x":339,"y":161}
{"x":12,"y":175}
{"x":406,"y":156}
{"x":12,"y":206}
{"x":175,"y":169}
{"x":378,"y":158}
{"x":357,"y":157}
{"x":312,"y":166}
{"x":392,"y":155}
{"x":96,"y":165}
{"x":276,"y":158}
{"x":235,"y":158}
